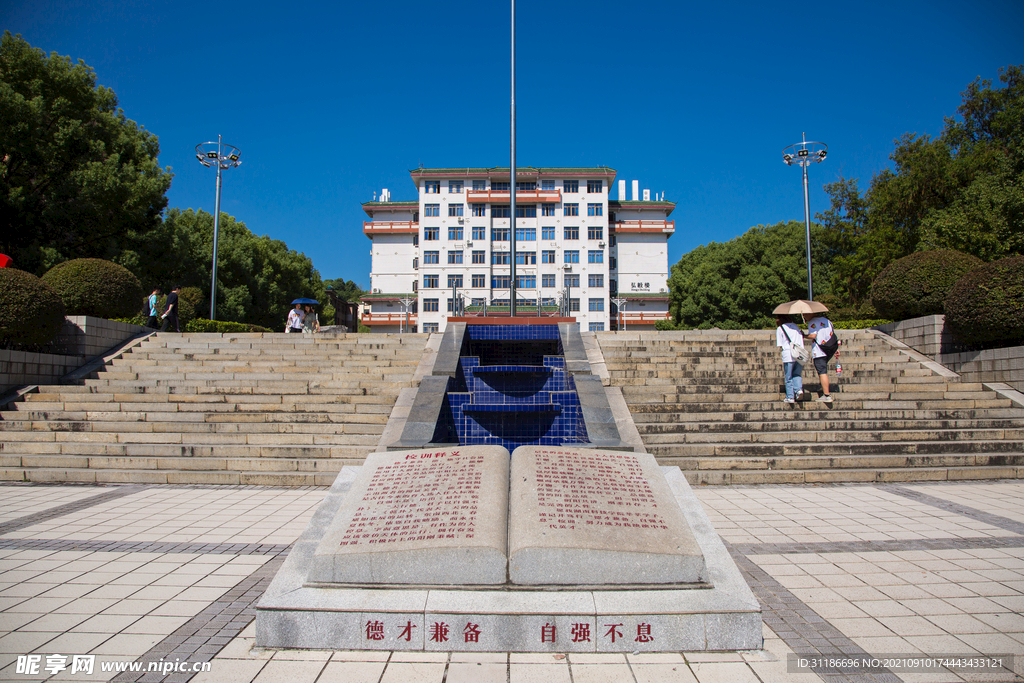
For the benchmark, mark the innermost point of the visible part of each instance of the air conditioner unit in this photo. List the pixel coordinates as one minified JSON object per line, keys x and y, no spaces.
{"x":469,"y":243}
{"x":568,"y":269}
{"x":600,"y":244}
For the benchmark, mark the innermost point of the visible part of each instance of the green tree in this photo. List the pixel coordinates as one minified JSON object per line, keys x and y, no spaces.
{"x":77,"y":178}
{"x":963,"y":190}
{"x":736,"y":284}
{"x":257,"y":276}
{"x":347,"y":290}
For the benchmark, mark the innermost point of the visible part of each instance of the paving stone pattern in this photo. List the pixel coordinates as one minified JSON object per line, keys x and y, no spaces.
{"x":956,"y":587}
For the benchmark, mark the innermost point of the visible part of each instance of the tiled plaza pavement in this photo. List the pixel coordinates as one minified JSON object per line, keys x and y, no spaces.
{"x":169,"y":574}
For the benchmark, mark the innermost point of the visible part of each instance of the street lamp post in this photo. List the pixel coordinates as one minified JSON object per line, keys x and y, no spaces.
{"x":222,"y":156}
{"x":803,"y":154}
{"x":620,"y":303}
{"x":406,"y":303}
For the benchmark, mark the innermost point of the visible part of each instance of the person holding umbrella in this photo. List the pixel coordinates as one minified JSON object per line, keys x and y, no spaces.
{"x":310,"y":323}
{"x":819,"y":331}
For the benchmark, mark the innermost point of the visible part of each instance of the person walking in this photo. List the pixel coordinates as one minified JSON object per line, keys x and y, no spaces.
{"x":790,"y":339}
{"x":821,"y":332}
{"x":152,"y":312}
{"x":310,"y":323}
{"x":171,"y":314}
{"x":295,"y":317}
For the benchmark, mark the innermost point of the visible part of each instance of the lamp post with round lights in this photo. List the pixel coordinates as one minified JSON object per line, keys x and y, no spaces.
{"x":620,"y":304}
{"x":222,"y":156}
{"x":803,"y":154}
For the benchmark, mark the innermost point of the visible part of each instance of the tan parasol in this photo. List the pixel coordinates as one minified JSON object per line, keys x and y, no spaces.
{"x":798,"y":307}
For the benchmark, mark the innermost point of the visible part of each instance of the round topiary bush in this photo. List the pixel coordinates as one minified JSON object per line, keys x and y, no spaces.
{"x":987,"y":304}
{"x":92,"y":286}
{"x":189,"y":299}
{"x":31,"y":313}
{"x":917,"y":285}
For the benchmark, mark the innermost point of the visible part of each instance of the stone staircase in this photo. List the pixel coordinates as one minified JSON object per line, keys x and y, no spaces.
{"x":710,"y":402}
{"x":267,"y":409}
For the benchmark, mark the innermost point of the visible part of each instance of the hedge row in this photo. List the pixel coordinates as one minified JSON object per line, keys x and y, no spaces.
{"x":31,"y":312}
{"x":917,"y":284}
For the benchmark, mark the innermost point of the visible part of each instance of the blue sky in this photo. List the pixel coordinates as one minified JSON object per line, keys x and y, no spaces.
{"x":330,"y":102}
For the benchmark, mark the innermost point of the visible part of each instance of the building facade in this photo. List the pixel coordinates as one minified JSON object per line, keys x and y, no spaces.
{"x":576,"y":251}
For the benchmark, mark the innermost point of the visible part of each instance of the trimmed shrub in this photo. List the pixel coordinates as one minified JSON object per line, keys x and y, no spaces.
{"x":204,"y":325}
{"x":92,"y":286}
{"x":917,"y":285}
{"x":31,"y":313}
{"x":987,"y":304}
{"x":189,"y":299}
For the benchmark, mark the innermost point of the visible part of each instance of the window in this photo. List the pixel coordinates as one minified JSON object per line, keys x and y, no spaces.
{"x":613,"y":287}
{"x":431,"y":210}
{"x":597,"y":304}
{"x":570,"y":186}
{"x":572,"y":281}
{"x":547,"y":210}
{"x":450,"y":303}
{"x":455,"y":186}
{"x":526,"y":186}
{"x":572,"y":233}
{"x":430,"y":328}
{"x":430,"y":305}
{"x":526,"y":281}
{"x":455,"y":233}
{"x":479,"y":257}
{"x":612,"y":240}
{"x":547,"y":233}
{"x":432,"y":187}
{"x":478,"y":302}
{"x":612,"y":263}
{"x":595,"y":186}
{"x":547,"y":280}
{"x":430,"y":282}
{"x":479,"y":186}
{"x":526,"y":234}
{"x":454,"y":281}
{"x":431,"y":257}
{"x":455,"y":210}
{"x":526,"y":258}
{"x":415,"y":263}
{"x":572,"y":256}
{"x":455,"y":257}
{"x":595,"y":256}
{"x":596,"y":280}
{"x":500,"y":282}
{"x":547,"y":256}
{"x":547,"y":184}
{"x":431,"y":234}
{"x":416,"y":240}
{"x":501,"y":211}
{"x":479,"y":280}
{"x":574,"y":305}
{"x":499,"y":234}
{"x":499,"y":258}
{"x":415,"y":285}
{"x":597,"y":327}
{"x":526,"y":210}
{"x":479,"y":210}
{"x":479,"y":233}
{"x":570,"y":209}
{"x":595,"y":233}
{"x":499,"y":186}
{"x":593,"y":210}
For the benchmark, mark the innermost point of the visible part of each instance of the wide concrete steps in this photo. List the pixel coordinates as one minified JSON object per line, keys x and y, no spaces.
{"x":711,"y":403}
{"x":223,"y":409}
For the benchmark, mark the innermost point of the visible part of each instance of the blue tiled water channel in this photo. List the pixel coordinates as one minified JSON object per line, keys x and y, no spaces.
{"x":512,"y":389}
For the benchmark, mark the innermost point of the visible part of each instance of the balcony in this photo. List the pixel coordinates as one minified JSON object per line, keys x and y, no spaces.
{"x":655,"y":226}
{"x":386,"y":319}
{"x":642,"y":317}
{"x":522,"y":196}
{"x":390,"y":227}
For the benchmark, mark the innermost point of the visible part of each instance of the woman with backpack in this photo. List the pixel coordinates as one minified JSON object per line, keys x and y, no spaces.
{"x":826,"y":343}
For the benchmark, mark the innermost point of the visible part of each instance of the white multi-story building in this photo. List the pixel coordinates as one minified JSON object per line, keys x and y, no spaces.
{"x":576,"y":251}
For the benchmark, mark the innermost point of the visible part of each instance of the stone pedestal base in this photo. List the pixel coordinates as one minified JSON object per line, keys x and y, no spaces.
{"x":721,"y":613}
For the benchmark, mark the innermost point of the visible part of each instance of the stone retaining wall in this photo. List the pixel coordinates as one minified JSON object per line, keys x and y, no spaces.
{"x":930,"y":336}
{"x":81,"y":338}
